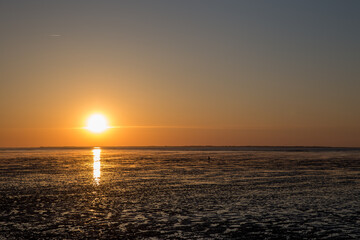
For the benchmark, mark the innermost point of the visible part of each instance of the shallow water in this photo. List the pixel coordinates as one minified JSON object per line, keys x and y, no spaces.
{"x":162,"y":194}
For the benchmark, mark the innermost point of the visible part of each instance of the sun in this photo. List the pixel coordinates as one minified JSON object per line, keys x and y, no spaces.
{"x":97,"y":123}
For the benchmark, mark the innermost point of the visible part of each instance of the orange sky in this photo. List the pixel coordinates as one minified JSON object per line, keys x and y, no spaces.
{"x":220,"y":73}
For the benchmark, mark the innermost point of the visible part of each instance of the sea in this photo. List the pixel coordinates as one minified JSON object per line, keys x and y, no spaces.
{"x":180,"y":193}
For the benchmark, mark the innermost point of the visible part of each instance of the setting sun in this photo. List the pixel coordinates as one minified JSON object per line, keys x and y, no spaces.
{"x":97,"y":123}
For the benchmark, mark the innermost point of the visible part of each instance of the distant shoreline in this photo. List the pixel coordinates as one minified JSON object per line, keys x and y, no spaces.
{"x":196,"y":148}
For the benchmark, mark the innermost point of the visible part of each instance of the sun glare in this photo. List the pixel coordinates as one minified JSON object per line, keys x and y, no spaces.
{"x":97,"y":123}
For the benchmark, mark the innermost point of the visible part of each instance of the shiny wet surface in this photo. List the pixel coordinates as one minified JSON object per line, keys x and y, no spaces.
{"x":135,"y":194}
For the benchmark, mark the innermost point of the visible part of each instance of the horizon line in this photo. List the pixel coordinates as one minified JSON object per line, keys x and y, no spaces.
{"x":189,"y":146}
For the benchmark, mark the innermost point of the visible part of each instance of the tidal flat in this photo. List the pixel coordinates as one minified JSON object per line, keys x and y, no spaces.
{"x":179,"y":193}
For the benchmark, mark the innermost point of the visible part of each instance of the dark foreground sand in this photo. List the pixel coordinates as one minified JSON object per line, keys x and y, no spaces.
{"x":142,"y":194}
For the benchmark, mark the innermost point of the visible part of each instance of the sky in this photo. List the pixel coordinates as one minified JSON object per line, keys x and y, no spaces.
{"x":180,"y":72}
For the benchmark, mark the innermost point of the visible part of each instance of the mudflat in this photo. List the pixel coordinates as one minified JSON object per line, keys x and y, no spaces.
{"x":180,"y":193}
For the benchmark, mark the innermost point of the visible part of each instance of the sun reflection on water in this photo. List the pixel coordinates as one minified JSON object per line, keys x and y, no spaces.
{"x":97,"y":167}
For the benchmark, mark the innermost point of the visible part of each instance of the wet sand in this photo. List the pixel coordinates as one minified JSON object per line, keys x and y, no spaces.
{"x":159,"y":194}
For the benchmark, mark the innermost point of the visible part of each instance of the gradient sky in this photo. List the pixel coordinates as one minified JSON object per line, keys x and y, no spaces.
{"x":180,"y":72}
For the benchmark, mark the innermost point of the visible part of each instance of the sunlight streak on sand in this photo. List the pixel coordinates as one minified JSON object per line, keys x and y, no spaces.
{"x":97,"y":166}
